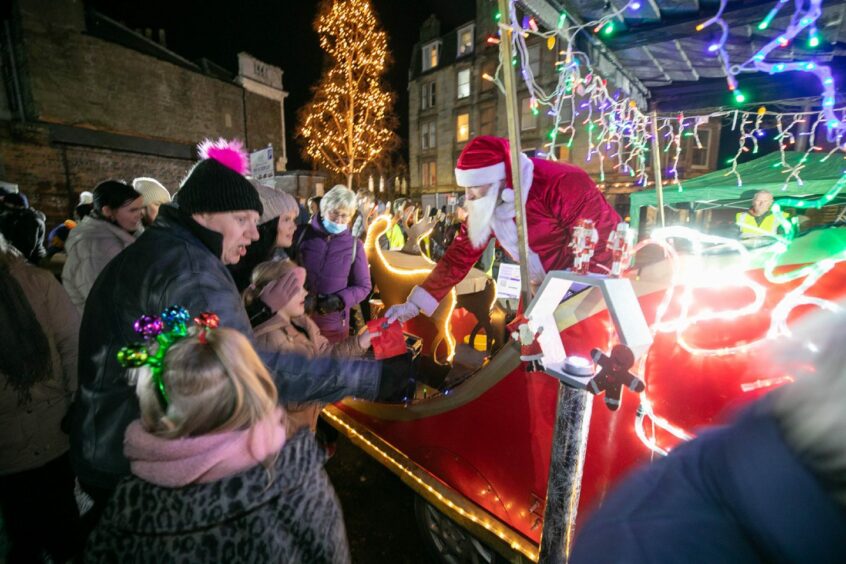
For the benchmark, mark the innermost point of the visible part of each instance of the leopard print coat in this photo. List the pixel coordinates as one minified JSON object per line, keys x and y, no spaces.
{"x":249,"y":517}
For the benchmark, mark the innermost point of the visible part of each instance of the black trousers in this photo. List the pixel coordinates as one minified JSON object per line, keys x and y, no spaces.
{"x":40,"y":513}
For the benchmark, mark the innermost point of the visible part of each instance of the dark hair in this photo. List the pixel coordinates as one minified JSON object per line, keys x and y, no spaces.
{"x":24,"y":349}
{"x":314,"y":200}
{"x":114,"y":194}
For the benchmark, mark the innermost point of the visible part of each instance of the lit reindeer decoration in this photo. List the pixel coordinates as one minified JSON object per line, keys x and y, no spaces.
{"x":396,"y":282}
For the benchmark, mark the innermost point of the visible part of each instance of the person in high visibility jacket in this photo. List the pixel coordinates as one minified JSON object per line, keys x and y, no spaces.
{"x":758,"y":220}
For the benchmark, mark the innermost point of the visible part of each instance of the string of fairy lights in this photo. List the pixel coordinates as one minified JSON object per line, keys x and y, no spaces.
{"x":619,"y":133}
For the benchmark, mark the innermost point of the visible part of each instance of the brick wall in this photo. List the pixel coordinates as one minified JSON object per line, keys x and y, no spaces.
{"x":264,"y":125}
{"x":77,"y":79}
{"x":52,"y":176}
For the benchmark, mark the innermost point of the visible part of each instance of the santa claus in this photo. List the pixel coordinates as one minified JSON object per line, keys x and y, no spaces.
{"x":556,"y":196}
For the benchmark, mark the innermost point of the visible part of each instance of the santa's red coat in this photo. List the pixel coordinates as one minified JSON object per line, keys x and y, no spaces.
{"x":560,"y":195}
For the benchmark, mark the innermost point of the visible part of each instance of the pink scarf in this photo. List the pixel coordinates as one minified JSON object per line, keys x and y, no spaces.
{"x":174,"y":463}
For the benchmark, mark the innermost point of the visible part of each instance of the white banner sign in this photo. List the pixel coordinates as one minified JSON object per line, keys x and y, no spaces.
{"x":508,"y":281}
{"x":261,"y":164}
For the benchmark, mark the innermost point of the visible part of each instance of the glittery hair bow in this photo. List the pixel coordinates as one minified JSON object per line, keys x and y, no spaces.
{"x":159,"y":333}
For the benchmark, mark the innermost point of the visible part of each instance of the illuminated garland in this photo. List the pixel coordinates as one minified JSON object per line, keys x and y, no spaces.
{"x":699,"y":275}
{"x":619,"y":133}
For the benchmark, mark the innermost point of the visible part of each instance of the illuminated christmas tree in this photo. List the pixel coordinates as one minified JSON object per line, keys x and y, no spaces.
{"x":348,"y":124}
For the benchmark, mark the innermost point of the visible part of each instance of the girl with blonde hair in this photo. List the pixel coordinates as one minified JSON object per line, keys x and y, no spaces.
{"x":214,"y":477}
{"x":290,"y":331}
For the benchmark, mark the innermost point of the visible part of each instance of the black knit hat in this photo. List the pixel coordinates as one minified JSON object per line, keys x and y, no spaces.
{"x":213,"y":187}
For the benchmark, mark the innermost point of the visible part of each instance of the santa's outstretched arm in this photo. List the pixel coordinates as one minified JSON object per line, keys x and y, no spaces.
{"x":457,"y":261}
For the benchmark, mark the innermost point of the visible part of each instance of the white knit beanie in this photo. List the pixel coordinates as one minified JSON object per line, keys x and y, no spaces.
{"x":276,"y":202}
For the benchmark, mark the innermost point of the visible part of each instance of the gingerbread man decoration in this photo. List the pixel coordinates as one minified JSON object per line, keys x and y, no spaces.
{"x":614,"y":374}
{"x":583,"y":243}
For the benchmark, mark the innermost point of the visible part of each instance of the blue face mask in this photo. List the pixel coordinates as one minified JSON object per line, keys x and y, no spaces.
{"x":334,"y":228}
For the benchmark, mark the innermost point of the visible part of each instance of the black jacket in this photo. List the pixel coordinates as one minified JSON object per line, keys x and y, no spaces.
{"x":175,"y":262}
{"x":294,"y":518}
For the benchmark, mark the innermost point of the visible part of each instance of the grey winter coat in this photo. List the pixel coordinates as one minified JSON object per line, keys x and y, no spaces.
{"x":90,"y":247}
{"x":290,"y":515}
{"x":30,"y":435}
{"x":175,"y":262}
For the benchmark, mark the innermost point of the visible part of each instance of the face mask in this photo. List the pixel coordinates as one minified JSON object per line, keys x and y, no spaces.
{"x":334,"y":228}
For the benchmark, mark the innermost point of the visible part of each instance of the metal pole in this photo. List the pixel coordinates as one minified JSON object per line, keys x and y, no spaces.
{"x":656,"y":166}
{"x":569,"y":442}
{"x":512,"y":111}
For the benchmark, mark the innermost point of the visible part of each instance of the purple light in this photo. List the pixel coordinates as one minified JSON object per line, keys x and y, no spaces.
{"x":635,"y":6}
{"x":713,"y":47}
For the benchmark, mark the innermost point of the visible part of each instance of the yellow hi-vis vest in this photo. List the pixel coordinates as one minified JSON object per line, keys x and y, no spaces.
{"x":749,"y":225}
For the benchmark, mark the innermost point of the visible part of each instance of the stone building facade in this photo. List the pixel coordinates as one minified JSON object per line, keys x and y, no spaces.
{"x":85,"y":99}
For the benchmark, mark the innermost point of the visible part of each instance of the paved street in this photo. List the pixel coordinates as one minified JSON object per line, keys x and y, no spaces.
{"x":378,"y":509}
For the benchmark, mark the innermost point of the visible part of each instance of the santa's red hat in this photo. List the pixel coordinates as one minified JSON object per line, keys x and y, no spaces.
{"x":486,"y":159}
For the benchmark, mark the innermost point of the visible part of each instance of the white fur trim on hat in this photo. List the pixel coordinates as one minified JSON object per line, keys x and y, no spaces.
{"x":480,"y":176}
{"x":424,"y":300}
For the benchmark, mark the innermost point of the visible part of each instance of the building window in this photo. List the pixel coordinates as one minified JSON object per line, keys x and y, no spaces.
{"x":429,"y":175}
{"x":528,"y":120}
{"x":489,"y":69}
{"x":427,"y":96}
{"x":427,"y":135}
{"x":463,"y":83}
{"x":699,"y":158}
{"x":430,"y":55}
{"x":462,"y":128}
{"x":534,"y":52}
{"x":487,"y":120}
{"x":465,"y":40}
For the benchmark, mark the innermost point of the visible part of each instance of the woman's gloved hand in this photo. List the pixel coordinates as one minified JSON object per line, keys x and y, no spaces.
{"x":329,"y":303}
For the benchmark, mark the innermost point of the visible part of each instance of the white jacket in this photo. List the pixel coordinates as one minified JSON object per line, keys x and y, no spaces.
{"x":90,"y":247}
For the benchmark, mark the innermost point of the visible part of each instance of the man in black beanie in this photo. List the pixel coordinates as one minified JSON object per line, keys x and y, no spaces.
{"x":180,"y":260}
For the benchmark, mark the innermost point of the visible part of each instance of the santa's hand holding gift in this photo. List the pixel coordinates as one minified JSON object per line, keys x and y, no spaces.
{"x":556,"y":195}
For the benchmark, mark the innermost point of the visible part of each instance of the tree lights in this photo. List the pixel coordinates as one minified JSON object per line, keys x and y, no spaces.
{"x":347,"y":125}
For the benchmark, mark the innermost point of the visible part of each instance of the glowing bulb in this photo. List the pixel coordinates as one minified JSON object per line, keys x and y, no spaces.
{"x":713,"y":47}
{"x":814,"y":41}
{"x":810,"y":66}
{"x":739,"y":97}
{"x":609,"y":29}
{"x":635,"y":5}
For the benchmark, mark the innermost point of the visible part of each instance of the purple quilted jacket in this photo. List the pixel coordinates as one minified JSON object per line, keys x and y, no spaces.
{"x":328,"y":260}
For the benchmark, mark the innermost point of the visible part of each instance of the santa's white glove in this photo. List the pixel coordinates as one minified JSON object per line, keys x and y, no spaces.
{"x":402,"y":312}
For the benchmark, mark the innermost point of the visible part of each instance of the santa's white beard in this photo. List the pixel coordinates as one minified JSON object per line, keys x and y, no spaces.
{"x":479,"y":215}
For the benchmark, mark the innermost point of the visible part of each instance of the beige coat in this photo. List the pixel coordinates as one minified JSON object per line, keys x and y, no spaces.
{"x":90,"y":247}
{"x":277,"y":334}
{"x":30,"y":435}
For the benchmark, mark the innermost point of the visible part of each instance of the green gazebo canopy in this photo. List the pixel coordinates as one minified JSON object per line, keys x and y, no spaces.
{"x":720,"y":189}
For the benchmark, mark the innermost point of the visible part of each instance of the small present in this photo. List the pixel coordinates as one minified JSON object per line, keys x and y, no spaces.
{"x":387,"y":339}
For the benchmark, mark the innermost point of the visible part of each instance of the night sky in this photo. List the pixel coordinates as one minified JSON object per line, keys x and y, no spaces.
{"x":280,"y":33}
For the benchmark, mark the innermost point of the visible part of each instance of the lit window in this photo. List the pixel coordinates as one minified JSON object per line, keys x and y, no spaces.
{"x":427,"y":135}
{"x":430,"y":55}
{"x":427,"y":96}
{"x":528,"y":120}
{"x":429,"y":174}
{"x":462,"y":128}
{"x":463,"y":83}
{"x":564,"y":153}
{"x":465,"y":40}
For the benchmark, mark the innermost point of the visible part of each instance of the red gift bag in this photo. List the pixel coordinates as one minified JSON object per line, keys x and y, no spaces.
{"x":386,"y":339}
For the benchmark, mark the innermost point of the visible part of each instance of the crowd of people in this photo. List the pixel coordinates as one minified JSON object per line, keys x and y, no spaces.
{"x":200,"y":440}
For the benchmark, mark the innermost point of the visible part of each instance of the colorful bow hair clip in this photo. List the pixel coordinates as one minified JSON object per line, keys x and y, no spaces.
{"x":160,"y":333}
